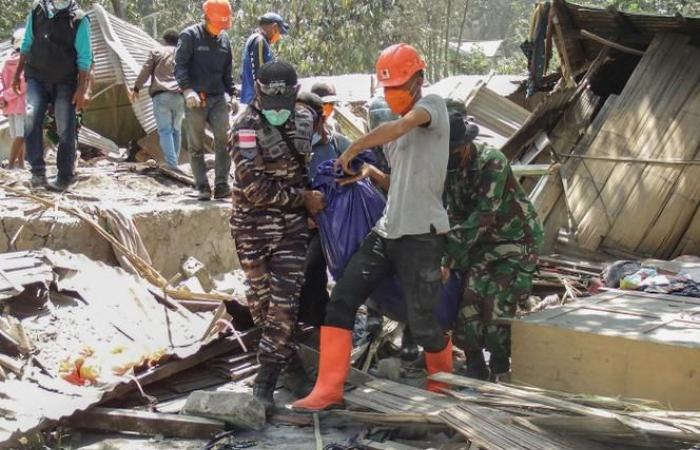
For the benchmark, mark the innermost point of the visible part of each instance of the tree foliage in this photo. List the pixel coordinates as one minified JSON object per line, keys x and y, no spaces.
{"x":345,"y":36}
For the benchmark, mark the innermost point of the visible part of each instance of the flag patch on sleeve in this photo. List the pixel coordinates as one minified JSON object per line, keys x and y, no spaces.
{"x":247,"y":139}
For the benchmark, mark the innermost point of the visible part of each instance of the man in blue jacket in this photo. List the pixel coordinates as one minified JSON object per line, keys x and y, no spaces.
{"x":203,"y":69}
{"x":56,"y":58}
{"x":258,"y":51}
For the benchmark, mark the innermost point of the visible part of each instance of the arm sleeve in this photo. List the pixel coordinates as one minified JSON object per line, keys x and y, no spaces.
{"x":28,"y":35}
{"x":257,"y":55}
{"x":146,"y":71}
{"x":428,"y":105}
{"x":257,"y":187}
{"x":463,"y":236}
{"x":228,"y":72}
{"x":183,"y":55}
{"x":83,"y":46}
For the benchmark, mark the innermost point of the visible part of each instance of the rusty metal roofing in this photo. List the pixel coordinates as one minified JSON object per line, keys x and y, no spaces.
{"x":632,"y":30}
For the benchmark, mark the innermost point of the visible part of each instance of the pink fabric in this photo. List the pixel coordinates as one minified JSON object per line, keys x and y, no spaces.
{"x":15,"y":103}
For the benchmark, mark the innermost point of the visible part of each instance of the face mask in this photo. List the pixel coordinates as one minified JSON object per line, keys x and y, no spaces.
{"x":400,"y":101}
{"x":61,"y":4}
{"x":328,"y":109}
{"x":277,"y":118}
{"x":315,"y":139}
{"x":276,"y":36}
{"x":213,"y":30}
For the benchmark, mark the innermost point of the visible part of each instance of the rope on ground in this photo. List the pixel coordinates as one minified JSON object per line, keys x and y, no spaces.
{"x":143,"y":268}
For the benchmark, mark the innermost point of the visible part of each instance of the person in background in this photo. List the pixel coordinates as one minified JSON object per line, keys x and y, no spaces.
{"x":493,"y":247}
{"x":168,"y":102}
{"x":271,"y":206}
{"x":258,"y":51}
{"x":329,"y":96}
{"x":408,"y":239}
{"x":203,"y":69}
{"x":13,"y":104}
{"x":56,"y":59}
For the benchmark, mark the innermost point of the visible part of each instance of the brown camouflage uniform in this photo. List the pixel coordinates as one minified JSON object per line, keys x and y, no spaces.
{"x":269,"y":224}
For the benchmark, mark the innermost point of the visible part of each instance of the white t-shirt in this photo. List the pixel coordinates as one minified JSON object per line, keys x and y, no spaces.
{"x":418,"y":163}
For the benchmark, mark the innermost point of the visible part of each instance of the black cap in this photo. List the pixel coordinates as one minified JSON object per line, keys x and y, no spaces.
{"x":272,"y":17}
{"x":461,"y":131}
{"x":326,"y":91}
{"x":278,"y":72}
{"x":312,"y":101}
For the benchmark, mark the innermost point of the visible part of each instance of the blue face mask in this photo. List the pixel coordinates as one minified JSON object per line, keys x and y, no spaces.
{"x":61,"y":4}
{"x":315,"y":139}
{"x":277,"y":118}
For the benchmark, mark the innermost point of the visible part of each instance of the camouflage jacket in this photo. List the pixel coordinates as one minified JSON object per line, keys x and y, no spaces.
{"x":268,"y":178}
{"x":491,"y":217}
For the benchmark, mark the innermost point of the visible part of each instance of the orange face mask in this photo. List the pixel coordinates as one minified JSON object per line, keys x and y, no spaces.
{"x":328,"y":109}
{"x":276,"y":36}
{"x":400,"y":99}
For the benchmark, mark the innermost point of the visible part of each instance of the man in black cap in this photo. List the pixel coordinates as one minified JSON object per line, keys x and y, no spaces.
{"x":271,"y":205}
{"x":258,"y":51}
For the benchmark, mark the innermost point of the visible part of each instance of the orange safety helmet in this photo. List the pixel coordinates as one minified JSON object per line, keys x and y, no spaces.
{"x":219,"y":13}
{"x":397,"y":64}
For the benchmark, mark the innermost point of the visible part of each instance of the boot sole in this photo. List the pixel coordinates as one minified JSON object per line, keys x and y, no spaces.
{"x":333,"y":407}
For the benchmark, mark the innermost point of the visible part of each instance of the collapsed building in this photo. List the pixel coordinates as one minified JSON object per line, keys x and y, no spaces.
{"x":114,"y":294}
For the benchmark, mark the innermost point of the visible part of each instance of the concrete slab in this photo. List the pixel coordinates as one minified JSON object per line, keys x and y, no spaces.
{"x":172,"y":224}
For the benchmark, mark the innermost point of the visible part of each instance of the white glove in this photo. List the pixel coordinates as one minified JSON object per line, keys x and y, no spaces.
{"x":192,"y":100}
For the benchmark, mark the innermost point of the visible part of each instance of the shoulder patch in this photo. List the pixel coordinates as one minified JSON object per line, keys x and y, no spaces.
{"x":247,"y":138}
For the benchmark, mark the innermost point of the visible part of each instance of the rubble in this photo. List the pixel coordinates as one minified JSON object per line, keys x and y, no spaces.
{"x":234,"y":408}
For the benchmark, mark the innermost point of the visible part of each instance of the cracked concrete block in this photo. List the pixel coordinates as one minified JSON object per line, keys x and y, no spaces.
{"x":235,"y":408}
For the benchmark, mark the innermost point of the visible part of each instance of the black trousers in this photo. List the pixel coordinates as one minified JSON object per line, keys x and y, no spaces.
{"x":314,"y":296}
{"x":416,"y":261}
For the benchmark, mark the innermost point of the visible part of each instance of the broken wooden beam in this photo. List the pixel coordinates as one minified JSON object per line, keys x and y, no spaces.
{"x":147,"y":423}
{"x":585,"y":34}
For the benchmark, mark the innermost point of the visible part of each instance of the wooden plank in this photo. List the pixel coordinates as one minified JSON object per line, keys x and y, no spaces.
{"x":531,"y":170}
{"x":647,"y":115}
{"x":690,"y":242}
{"x":147,"y":423}
{"x":387,"y":445}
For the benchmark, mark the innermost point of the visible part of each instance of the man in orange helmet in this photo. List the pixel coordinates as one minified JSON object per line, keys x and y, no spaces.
{"x":203,"y":69}
{"x":408,"y":240}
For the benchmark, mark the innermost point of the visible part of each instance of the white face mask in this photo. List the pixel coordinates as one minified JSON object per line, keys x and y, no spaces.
{"x":61,"y":4}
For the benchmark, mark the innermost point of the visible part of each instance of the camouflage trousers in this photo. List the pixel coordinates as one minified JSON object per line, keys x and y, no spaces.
{"x":274,"y":268}
{"x":492,"y":290}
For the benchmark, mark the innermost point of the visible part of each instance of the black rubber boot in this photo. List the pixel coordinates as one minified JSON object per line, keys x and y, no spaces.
{"x":476,"y":365}
{"x":500,"y":365}
{"x":295,"y":378}
{"x":264,"y":386}
{"x":409,"y":348}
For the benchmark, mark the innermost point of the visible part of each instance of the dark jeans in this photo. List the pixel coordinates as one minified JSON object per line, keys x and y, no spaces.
{"x":39,"y":95}
{"x":416,"y":262}
{"x":216,"y":114}
{"x":314,"y":293}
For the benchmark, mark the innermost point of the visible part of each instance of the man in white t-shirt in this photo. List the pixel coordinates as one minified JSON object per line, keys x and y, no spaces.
{"x":408,"y":240}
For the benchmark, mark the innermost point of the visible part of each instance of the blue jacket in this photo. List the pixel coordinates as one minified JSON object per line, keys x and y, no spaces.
{"x":257,"y":51}
{"x":204,"y":62}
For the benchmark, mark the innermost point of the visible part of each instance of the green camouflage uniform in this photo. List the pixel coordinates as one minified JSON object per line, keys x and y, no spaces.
{"x":493,"y":244}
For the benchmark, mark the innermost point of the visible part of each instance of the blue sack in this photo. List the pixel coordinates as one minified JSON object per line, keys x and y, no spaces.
{"x":350,"y":214}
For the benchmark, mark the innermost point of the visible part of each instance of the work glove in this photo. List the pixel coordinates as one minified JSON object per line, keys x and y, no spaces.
{"x":192,"y":100}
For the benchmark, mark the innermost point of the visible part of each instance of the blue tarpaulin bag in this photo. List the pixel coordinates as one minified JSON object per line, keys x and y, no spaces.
{"x":350,"y":214}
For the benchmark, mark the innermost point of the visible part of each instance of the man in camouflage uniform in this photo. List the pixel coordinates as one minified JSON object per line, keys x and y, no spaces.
{"x":493,"y":245}
{"x":271,"y":203}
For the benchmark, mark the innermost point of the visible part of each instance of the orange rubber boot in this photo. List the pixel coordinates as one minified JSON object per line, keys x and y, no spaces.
{"x":436,"y":363}
{"x":333,"y":368}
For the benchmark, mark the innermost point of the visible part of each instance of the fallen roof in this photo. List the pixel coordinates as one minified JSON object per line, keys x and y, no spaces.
{"x":629,"y":29}
{"x":353,"y":88}
{"x":488,"y":48}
